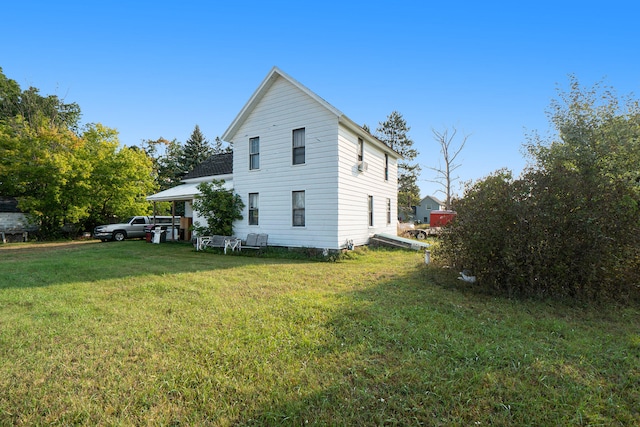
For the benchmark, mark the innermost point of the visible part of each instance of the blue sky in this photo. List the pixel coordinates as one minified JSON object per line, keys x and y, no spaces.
{"x":490,"y":69}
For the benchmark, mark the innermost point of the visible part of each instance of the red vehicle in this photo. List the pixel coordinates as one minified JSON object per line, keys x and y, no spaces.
{"x":441,"y":218}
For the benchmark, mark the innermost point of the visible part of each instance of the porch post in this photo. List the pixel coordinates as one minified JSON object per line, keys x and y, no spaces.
{"x":173,"y":220}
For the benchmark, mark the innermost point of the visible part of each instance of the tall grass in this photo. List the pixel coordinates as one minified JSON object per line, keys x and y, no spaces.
{"x":137,"y":334}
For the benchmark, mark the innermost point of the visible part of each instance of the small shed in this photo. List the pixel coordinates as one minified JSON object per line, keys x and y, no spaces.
{"x":14,"y":224}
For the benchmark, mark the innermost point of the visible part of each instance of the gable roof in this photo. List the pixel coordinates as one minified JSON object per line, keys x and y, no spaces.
{"x":264,"y":87}
{"x":217,"y":164}
{"x":434,"y":198}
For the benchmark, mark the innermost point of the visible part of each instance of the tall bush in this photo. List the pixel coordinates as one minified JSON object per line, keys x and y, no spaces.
{"x":568,"y":225}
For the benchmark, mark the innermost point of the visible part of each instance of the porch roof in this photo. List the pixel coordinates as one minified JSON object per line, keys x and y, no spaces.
{"x":183,"y":192}
{"x":180,"y":192}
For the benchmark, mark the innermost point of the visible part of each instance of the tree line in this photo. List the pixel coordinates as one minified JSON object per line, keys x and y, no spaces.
{"x":69,"y":177}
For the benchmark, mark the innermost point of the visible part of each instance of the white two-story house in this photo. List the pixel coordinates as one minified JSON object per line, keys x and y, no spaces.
{"x":308,"y":175}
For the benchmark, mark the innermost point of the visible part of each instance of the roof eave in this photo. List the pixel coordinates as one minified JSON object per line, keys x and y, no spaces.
{"x":359,"y":130}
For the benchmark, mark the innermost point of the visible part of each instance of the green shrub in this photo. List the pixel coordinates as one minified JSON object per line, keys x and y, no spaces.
{"x":568,"y":226}
{"x":219,"y":206}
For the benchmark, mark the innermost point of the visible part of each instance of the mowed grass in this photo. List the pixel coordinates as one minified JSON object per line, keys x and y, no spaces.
{"x":137,"y":334}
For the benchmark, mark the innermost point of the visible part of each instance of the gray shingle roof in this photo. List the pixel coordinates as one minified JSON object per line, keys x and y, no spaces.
{"x":218,"y":164}
{"x":8,"y":204}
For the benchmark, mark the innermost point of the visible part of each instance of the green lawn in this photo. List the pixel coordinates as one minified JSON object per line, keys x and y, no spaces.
{"x":137,"y":334}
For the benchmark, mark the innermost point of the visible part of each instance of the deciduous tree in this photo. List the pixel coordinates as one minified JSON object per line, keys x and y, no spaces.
{"x":166,"y":157}
{"x":121,"y":177}
{"x":445,"y":171}
{"x":44,"y":173}
{"x":62,"y":179}
{"x":32,"y":106}
{"x":61,"y":176}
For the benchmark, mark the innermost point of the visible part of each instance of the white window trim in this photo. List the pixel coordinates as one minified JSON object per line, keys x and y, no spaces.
{"x":254,"y":154}
{"x":249,"y":210}
{"x":293,"y":147}
{"x":304,"y":193}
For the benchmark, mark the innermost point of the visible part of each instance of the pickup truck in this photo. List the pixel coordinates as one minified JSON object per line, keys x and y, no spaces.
{"x":133,"y":227}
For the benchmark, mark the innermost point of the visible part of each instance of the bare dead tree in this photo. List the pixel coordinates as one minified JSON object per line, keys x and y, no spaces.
{"x":444,"y":173}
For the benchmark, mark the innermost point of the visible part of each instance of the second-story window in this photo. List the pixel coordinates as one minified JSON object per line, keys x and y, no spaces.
{"x":360,"y":150}
{"x":386,"y":167}
{"x":298,"y":146}
{"x":253,"y":208}
{"x":254,"y":153}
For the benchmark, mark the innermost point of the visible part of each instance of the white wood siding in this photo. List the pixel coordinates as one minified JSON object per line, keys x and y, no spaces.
{"x":283,"y":109}
{"x":355,"y":186}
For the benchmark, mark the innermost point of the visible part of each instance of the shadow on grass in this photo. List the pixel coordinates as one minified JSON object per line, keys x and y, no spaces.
{"x":46,"y":264}
{"x":425,"y":349}
{"x":403,"y":346}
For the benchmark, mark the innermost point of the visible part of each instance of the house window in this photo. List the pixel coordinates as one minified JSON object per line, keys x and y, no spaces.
{"x":298,"y":146}
{"x":253,"y":208}
{"x":297,"y":203}
{"x":388,"y":211}
{"x":386,"y":167}
{"x":360,"y":150}
{"x":370,"y":211}
{"x":254,"y":153}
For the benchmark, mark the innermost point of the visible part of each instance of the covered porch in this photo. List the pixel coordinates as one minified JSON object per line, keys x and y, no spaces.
{"x":186,"y":193}
{"x":181,"y":193}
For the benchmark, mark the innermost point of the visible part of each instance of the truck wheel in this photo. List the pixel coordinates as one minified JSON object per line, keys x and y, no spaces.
{"x":421,"y":235}
{"x":119,"y":236}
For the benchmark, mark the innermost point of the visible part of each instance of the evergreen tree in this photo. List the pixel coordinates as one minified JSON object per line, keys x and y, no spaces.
{"x":196,"y":150}
{"x":394,"y":132}
{"x":218,"y":147}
